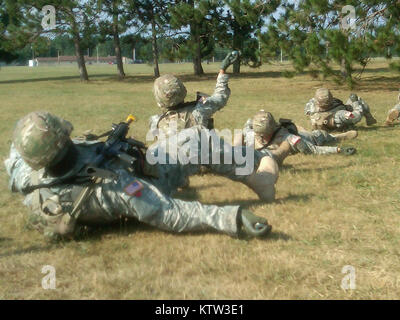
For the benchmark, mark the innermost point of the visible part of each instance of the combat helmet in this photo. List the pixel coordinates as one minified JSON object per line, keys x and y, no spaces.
{"x":323,"y":98}
{"x":264,"y":123}
{"x":41,"y":139}
{"x":169,"y":91}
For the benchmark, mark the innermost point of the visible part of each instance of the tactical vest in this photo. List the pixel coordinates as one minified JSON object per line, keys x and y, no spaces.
{"x":183,"y":118}
{"x":182,"y":115}
{"x":288,"y":124}
{"x":323,"y":121}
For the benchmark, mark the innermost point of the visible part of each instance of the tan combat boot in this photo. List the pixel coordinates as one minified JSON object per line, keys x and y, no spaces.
{"x":393,"y":115}
{"x":348,"y":135}
{"x":370,"y":119}
{"x":262,"y":181}
{"x":282,"y":152}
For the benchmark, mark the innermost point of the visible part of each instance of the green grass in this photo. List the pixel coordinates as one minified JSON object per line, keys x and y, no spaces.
{"x":330,"y":211}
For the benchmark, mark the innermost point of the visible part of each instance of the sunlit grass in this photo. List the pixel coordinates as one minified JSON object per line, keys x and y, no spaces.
{"x":330,"y":211}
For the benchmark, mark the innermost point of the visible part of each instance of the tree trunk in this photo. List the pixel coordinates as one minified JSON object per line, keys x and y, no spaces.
{"x":198,"y":68}
{"x":80,"y":59}
{"x":236,"y":66}
{"x":343,"y":68}
{"x":117,"y":45}
{"x":155,"y":48}
{"x":237,"y":45}
{"x":195,"y":36}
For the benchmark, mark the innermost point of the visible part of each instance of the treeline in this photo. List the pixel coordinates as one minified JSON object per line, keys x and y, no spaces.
{"x":314,"y":35}
{"x":64,"y":46}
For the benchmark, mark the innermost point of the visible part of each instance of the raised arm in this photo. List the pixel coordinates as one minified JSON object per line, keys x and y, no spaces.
{"x":208,"y":106}
{"x":310,"y":108}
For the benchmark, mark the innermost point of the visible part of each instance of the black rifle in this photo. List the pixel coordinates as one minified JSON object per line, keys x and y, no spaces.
{"x":117,"y":145}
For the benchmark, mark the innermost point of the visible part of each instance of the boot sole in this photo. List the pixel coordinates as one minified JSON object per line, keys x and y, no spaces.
{"x":392,"y":116}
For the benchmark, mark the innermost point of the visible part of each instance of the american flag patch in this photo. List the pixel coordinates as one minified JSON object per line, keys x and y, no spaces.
{"x":294,"y":140}
{"x":349,"y":115}
{"x":134,"y":188}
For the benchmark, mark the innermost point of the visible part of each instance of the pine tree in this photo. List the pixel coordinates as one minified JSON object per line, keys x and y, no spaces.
{"x":314,"y":34}
{"x":76,"y":18}
{"x":11,"y":17}
{"x":198,"y":21}
{"x":241,"y":26}
{"x":116,"y":19}
{"x":154,"y":18}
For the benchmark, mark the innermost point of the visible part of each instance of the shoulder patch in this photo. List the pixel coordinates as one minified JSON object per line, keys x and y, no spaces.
{"x":134,"y":188}
{"x":349,"y":115}
{"x":293,"y":139}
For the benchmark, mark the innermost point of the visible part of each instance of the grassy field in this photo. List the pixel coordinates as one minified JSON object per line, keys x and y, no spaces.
{"x":330,"y":211}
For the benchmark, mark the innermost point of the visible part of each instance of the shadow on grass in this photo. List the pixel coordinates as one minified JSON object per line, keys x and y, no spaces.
{"x":124,"y":228}
{"x":376,"y":128}
{"x":320,"y":169}
{"x":61,"y":78}
{"x":379,"y":84}
{"x":242,"y":203}
{"x":132,"y":226}
{"x":295,"y":197}
{"x":149,"y":77}
{"x":278,"y":235}
{"x":31,"y":249}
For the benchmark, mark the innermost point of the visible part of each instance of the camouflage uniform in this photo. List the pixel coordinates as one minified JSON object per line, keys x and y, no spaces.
{"x":109,"y":198}
{"x":199,"y":112}
{"x":185,"y":120}
{"x":303,"y":142}
{"x":110,"y":201}
{"x":333,"y":114}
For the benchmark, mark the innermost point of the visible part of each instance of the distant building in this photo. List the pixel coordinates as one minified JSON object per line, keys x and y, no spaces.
{"x":65,"y":60}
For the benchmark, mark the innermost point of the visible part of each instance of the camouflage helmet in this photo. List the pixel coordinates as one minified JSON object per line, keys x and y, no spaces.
{"x":169,"y":91}
{"x":324,"y":98}
{"x":41,"y":138}
{"x":264,"y":123}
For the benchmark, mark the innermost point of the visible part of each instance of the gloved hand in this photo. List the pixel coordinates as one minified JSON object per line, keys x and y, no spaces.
{"x":229,"y":59}
{"x":252,"y":225}
{"x":353,"y":97}
{"x":347,"y":151}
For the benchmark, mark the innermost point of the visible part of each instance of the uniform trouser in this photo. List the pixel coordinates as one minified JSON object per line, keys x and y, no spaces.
{"x":194,"y":148}
{"x":154,"y":205}
{"x":313,"y":142}
{"x":110,"y":201}
{"x":345,"y":119}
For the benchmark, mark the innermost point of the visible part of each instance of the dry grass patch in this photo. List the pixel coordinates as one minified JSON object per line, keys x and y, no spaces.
{"x":330,"y":211}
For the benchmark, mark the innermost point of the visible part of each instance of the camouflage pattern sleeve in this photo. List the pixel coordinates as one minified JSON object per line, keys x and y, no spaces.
{"x":310,"y":108}
{"x":359,"y":106}
{"x":205,"y":108}
{"x":304,"y":143}
{"x":111,"y":200}
{"x":247,"y":137}
{"x":153,"y":121}
{"x":18,"y":171}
